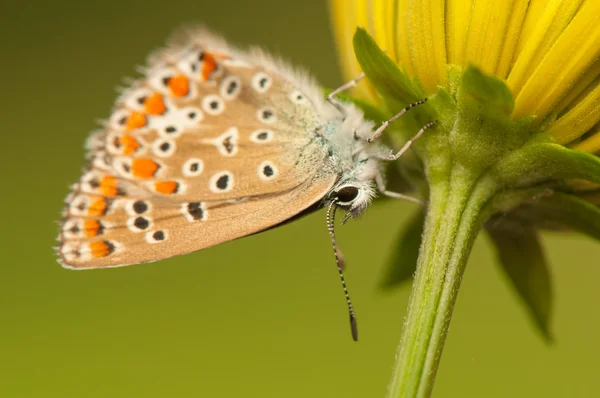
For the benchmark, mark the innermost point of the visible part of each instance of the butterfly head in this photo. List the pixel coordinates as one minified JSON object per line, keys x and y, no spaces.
{"x":352,"y":196}
{"x":356,"y":161}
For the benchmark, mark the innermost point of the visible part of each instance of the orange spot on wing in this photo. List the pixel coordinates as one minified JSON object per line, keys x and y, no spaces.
{"x":166,"y":187}
{"x":92,"y":228}
{"x":98,"y":207}
{"x":155,"y":105}
{"x":130,"y":144}
{"x":144,"y":167}
{"x":108,"y":186}
{"x":179,"y":85}
{"x":209,"y":66}
{"x":101,"y":248}
{"x":135,"y":121}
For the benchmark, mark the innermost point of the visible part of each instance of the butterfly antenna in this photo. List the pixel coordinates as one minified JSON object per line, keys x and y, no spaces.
{"x":339,"y":261}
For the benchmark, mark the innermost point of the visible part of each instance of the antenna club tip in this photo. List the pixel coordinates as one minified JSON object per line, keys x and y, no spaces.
{"x":354,"y":327}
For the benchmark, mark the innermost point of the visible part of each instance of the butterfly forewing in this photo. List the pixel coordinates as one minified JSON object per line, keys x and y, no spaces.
{"x":210,"y":146}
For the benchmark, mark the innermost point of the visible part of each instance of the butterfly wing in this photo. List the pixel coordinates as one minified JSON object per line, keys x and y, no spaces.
{"x":212,"y":145}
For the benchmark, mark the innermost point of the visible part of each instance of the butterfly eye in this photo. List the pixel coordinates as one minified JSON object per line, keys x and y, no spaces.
{"x":347,"y":194}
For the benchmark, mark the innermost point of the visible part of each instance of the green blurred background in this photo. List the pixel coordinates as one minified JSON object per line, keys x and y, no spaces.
{"x":259,"y":317}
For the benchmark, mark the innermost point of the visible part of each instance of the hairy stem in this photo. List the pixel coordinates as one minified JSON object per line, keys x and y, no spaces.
{"x":452,"y":222}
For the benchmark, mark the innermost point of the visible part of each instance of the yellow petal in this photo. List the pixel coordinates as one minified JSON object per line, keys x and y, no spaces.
{"x":346,"y":16}
{"x":489,"y":22}
{"x":573,"y":53}
{"x":535,"y":10}
{"x":513,"y":32}
{"x":403,"y":28}
{"x":582,"y":86}
{"x":383,"y":25}
{"x":580,"y":118}
{"x":553,"y":20}
{"x":591,"y":144}
{"x":421,"y":39}
{"x":458,"y":16}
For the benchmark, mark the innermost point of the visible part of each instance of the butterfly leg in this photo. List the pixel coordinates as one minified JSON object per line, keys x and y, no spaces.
{"x":395,"y":195}
{"x":409,"y":142}
{"x":385,"y":124}
{"x":331,"y":97}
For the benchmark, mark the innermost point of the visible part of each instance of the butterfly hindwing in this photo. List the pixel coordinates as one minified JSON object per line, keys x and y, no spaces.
{"x":137,"y":231}
{"x":213,"y":144}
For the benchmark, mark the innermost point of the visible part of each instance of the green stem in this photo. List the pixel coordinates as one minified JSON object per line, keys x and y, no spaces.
{"x":452,"y":222}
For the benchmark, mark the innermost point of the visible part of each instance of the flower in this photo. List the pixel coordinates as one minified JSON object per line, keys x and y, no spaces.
{"x":547,"y":51}
{"x":515,"y":88}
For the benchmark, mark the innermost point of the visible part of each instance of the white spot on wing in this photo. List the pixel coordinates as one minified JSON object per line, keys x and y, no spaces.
{"x":101,"y":160}
{"x":192,"y":167}
{"x":68,"y":251}
{"x":191,"y":116}
{"x":194,"y":211}
{"x":213,"y":104}
{"x":190,"y":65}
{"x":154,"y":236}
{"x":130,"y":208}
{"x":134,"y":99}
{"x":89,"y":181}
{"x":297,"y":97}
{"x":122,"y":165}
{"x":261,"y":136}
{"x":221,"y":182}
{"x":159,"y":79}
{"x":267,"y":171}
{"x":230,"y":87}
{"x":118,"y":119}
{"x":261,"y":82}
{"x":266,"y":115}
{"x":131,"y":223}
{"x":72,"y":228}
{"x":226,"y":143}
{"x":111,"y":140}
{"x":164,"y":148}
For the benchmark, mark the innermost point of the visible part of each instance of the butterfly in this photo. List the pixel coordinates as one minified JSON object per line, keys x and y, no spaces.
{"x":213,"y":144}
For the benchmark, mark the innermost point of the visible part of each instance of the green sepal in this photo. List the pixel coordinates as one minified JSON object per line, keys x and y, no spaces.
{"x":484,"y":131}
{"x":403,"y":262}
{"x":395,"y":88}
{"x":382,"y":72}
{"x":541,"y":160}
{"x":562,"y":210}
{"x":489,"y":95}
{"x":521,"y":257}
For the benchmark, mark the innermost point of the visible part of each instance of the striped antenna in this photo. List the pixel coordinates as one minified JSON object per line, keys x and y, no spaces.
{"x":339,"y":261}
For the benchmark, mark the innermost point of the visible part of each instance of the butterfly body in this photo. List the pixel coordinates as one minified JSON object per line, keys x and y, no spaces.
{"x":211,"y":145}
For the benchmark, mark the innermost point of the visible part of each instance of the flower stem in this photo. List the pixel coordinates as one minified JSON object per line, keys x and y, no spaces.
{"x":452,"y":222}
